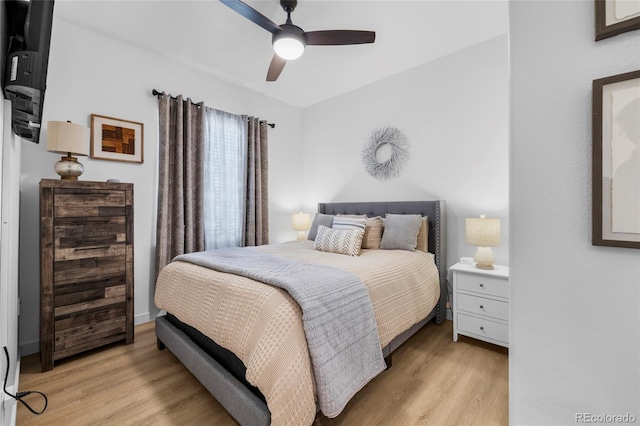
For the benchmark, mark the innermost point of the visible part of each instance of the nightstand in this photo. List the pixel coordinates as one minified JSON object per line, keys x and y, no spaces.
{"x":481,"y":303}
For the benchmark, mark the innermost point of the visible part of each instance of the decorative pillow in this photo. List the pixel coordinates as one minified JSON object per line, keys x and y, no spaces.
{"x":319,"y":219}
{"x":342,"y":222}
{"x":422,"y":242}
{"x":372,"y":232}
{"x":339,"y":241}
{"x":400,"y":232}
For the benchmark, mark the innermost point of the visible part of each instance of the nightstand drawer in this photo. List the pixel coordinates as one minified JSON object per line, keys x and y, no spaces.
{"x":481,"y":306}
{"x":483,"y":285}
{"x":483,"y":328}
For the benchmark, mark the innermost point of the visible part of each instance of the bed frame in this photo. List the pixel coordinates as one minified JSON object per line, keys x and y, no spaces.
{"x":241,"y":402}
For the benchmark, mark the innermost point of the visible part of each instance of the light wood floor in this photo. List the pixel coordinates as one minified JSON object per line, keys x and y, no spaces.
{"x":433,"y":381}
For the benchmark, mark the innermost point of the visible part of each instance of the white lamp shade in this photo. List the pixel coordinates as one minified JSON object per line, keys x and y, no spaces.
{"x":483,"y":232}
{"x":67,"y":137}
{"x":301,"y":221}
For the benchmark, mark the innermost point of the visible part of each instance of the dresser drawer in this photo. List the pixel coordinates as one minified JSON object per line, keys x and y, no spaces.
{"x":483,"y":285}
{"x":90,"y":251}
{"x":64,"y":325}
{"x":88,"y":269}
{"x":483,"y":328}
{"x":482,"y":306}
{"x":83,"y":292}
{"x":74,"y":232}
{"x":88,"y":203}
{"x":87,"y":334}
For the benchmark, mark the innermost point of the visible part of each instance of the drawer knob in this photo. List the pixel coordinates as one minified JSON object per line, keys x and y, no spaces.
{"x":482,"y":328}
{"x":481,"y":306}
{"x":482,"y":285}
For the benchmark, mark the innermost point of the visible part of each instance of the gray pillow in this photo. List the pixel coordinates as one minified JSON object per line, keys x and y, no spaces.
{"x":320,"y":219}
{"x":400,"y":232}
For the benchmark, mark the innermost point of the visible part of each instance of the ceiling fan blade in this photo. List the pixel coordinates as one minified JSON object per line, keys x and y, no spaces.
{"x":277,"y":64}
{"x":252,"y":15}
{"x":338,"y":37}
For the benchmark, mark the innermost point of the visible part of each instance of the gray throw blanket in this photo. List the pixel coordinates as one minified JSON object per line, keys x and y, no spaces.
{"x":337,"y":316}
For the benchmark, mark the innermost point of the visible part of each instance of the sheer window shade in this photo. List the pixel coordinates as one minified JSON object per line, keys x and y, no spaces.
{"x":224,"y":178}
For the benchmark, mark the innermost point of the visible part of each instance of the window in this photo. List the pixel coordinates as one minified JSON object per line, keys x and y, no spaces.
{"x":225,"y":168}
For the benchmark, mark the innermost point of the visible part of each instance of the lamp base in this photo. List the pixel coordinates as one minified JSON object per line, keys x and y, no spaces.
{"x":69,"y":168}
{"x":484,"y":258}
{"x":480,"y":266}
{"x":301,"y":236}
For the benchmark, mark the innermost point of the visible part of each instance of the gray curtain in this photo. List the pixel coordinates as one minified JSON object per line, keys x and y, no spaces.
{"x":256,"y":228}
{"x":180,"y":224}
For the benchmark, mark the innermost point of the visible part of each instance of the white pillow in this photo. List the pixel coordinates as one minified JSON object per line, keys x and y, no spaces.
{"x":339,"y":241}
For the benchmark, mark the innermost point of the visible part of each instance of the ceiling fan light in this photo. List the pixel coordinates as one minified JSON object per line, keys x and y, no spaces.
{"x":288,"y":46}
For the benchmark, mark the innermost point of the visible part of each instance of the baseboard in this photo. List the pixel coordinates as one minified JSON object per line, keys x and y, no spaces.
{"x":30,"y":348}
{"x":142,"y":318}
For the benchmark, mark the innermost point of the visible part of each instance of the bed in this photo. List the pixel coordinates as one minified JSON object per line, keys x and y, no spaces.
{"x":187,"y":332}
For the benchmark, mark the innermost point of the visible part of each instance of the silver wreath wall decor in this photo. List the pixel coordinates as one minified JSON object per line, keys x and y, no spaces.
{"x":399,"y":146}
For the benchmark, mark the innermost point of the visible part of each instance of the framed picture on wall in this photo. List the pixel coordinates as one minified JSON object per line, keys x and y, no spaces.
{"x":116,"y":139}
{"x":616,"y":161}
{"x":614,"y":17}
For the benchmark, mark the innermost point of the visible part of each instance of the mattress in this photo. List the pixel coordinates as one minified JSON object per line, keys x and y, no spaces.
{"x":262,"y":325}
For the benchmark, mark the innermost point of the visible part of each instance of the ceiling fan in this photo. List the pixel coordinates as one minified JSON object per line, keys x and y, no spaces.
{"x":290,"y":40}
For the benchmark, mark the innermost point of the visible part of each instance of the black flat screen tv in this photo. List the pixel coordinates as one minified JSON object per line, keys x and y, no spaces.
{"x":26,"y":37}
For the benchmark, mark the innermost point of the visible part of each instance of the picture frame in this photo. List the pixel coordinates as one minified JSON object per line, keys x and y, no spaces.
{"x":116,"y":139}
{"x":616,"y":161}
{"x":615,"y":17}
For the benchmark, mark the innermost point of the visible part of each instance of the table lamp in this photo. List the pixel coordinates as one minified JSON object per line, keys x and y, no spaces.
{"x":70,"y":139}
{"x":301,"y":222}
{"x":484,"y":233}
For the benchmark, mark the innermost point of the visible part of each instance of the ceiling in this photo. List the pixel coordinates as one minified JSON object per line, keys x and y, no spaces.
{"x":211,"y":37}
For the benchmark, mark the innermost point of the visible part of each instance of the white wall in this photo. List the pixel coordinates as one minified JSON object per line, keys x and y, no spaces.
{"x":10,"y":150}
{"x":89,"y":73}
{"x":575,"y":308}
{"x":454,"y":112}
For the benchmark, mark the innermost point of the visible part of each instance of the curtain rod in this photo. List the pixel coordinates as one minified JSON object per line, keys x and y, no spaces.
{"x":160,"y":94}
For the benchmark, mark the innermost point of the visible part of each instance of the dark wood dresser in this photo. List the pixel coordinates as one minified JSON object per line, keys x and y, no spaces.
{"x":86,"y":267}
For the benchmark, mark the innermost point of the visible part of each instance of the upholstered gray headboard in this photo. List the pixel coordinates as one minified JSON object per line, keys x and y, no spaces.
{"x":434,"y":210}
